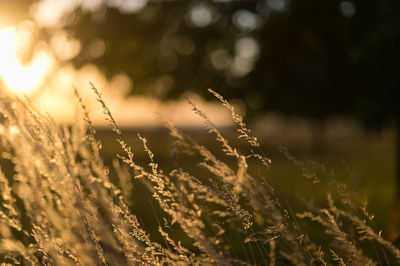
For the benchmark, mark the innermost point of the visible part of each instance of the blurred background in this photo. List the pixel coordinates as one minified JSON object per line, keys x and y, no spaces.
{"x":319,"y":77}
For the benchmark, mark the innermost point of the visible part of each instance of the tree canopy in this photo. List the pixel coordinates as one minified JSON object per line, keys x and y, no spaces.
{"x":308,"y":58}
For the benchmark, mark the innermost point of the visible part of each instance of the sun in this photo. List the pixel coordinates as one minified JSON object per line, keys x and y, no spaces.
{"x":18,"y":77}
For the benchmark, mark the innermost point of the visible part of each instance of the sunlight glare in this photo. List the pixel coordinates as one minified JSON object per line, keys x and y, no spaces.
{"x":20,"y":78}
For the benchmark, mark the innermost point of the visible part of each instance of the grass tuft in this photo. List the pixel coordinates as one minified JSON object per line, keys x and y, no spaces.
{"x":62,"y":204}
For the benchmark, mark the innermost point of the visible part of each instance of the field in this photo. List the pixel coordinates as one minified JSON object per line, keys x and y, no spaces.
{"x":366,"y":162}
{"x":71,"y":195}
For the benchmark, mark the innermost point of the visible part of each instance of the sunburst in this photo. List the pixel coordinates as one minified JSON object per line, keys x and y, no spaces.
{"x":16,"y":76}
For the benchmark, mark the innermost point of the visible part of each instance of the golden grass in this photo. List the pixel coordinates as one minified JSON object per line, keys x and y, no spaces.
{"x":62,"y":205}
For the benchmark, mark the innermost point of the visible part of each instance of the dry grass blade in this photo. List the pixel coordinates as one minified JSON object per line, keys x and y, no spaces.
{"x":61,"y":204}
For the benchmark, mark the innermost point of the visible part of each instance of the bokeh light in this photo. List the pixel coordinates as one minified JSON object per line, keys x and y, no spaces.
{"x":347,"y":8}
{"x":201,"y":15}
{"x":246,"y":20}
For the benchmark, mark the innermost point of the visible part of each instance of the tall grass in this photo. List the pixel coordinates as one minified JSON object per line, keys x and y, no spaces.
{"x":61,"y":204}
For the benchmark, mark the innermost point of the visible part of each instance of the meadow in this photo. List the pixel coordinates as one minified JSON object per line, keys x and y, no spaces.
{"x":365,"y":162}
{"x":74,"y":196}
